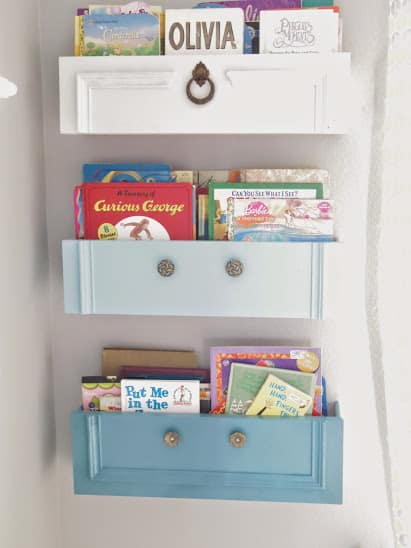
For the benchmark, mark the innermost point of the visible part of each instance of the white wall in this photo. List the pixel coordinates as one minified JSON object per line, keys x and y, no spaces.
{"x":363,"y":520}
{"x":29,"y":515}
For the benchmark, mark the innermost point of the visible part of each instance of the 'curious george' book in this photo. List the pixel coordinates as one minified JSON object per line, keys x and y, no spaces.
{"x":138,"y":212}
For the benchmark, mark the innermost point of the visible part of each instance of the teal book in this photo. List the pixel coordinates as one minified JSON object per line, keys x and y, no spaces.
{"x":132,"y":34}
{"x":316,"y":3}
{"x":247,"y":380}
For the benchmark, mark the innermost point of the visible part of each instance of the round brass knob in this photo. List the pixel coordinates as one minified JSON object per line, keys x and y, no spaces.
{"x":234,"y":268}
{"x":238,"y":439}
{"x":171,"y":439}
{"x":166,"y":268}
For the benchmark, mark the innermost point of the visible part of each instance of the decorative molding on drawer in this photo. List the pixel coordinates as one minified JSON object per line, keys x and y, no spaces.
{"x":306,"y":468}
{"x":275,"y":279}
{"x":292,"y":94}
{"x":90,"y":83}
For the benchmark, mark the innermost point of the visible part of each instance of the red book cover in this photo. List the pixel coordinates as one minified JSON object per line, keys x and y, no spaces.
{"x":150,"y":211}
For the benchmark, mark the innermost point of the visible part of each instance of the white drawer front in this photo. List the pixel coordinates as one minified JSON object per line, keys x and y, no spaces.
{"x":253,"y":94}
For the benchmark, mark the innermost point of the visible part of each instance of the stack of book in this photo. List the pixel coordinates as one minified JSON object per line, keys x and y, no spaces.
{"x":272,"y":381}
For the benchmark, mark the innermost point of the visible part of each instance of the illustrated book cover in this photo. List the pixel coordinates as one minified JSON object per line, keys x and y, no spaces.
{"x":127,"y":173}
{"x":281,"y":175}
{"x":160,"y":396}
{"x":153,"y":211}
{"x":272,"y":220}
{"x":220,"y":193}
{"x":293,"y":358}
{"x":246,"y":381}
{"x":101,"y":393}
{"x":131,"y":34}
{"x":300,"y":31}
{"x":280,"y":399}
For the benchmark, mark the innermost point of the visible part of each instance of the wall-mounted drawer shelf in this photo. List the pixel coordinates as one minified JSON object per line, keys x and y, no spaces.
{"x":278,"y":280}
{"x":254,"y":94}
{"x":282,"y":459}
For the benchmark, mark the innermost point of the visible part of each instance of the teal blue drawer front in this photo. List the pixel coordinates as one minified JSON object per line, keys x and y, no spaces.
{"x":282,"y":280}
{"x":281,"y":460}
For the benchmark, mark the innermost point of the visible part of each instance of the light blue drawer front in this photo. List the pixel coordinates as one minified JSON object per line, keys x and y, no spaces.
{"x":281,"y":280}
{"x":282,"y":459}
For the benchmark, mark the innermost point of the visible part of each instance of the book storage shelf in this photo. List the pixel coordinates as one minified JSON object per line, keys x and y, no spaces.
{"x":215,"y":457}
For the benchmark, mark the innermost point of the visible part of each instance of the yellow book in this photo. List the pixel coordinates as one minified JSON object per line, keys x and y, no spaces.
{"x":79,"y":35}
{"x":278,"y":398}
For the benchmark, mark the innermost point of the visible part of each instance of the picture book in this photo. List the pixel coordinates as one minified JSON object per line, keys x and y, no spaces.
{"x":153,"y":211}
{"x":280,"y":399}
{"x":272,"y":220}
{"x":205,"y":398}
{"x":247,"y":380}
{"x":219,"y":194}
{"x":172,"y":373}
{"x":288,"y":176}
{"x":300,"y":31}
{"x":101,"y":393}
{"x":118,"y":34}
{"x":114,"y":358}
{"x":127,"y":173}
{"x":293,"y":358}
{"x":162,"y":396}
{"x":252,"y":8}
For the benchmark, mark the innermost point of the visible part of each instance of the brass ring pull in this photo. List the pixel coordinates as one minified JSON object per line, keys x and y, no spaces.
{"x":201,"y":75}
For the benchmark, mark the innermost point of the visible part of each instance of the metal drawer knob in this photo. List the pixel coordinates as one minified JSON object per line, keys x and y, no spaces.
{"x":171,"y":439}
{"x":166,"y":268}
{"x":234,"y":268}
{"x":238,"y":439}
{"x":200,"y":76}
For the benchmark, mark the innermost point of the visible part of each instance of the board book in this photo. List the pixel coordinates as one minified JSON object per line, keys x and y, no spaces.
{"x":153,"y":211}
{"x":247,"y":380}
{"x":219,"y":194}
{"x":294,"y":358}
{"x":160,"y":396}
{"x":280,"y":399}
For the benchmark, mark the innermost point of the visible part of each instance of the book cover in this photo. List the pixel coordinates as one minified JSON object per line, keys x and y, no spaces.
{"x":114,"y":358}
{"x":272,"y":220}
{"x":252,"y":8}
{"x":165,"y":373}
{"x":219,"y":194}
{"x":246,"y":381}
{"x":280,"y":399}
{"x":153,"y":211}
{"x":300,"y":31}
{"x":101,"y":393}
{"x":307,"y":175}
{"x":127,"y":173}
{"x":162,"y":396}
{"x":293,"y":358}
{"x":131,"y":34}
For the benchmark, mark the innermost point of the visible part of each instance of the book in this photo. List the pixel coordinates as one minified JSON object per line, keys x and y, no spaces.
{"x":272,"y":220}
{"x":247,"y":380}
{"x":127,"y":172}
{"x":114,"y":358}
{"x":293,"y":358}
{"x":307,"y":175}
{"x":278,"y":398}
{"x":205,"y":398}
{"x":161,"y":396}
{"x":101,"y":393}
{"x":153,"y":211}
{"x":220,"y":193}
{"x":118,"y":34}
{"x":300,"y":31}
{"x":172,"y":373}
{"x":252,"y":8}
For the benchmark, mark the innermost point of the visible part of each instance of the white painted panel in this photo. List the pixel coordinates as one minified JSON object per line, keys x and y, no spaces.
{"x":253,"y":94}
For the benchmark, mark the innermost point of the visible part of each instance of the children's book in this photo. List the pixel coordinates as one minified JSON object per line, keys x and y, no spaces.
{"x":118,"y":34}
{"x":272,"y":220}
{"x":219,"y":193}
{"x":247,"y":380}
{"x":101,"y":393}
{"x":165,"y":373}
{"x":310,"y":175}
{"x":160,"y":396}
{"x":127,"y":173}
{"x":153,"y":211}
{"x":300,"y":31}
{"x":280,"y":399}
{"x":293,"y":358}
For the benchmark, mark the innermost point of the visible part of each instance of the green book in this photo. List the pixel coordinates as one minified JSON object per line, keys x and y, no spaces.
{"x":218,"y":194}
{"x":316,"y":3}
{"x":247,"y":380}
